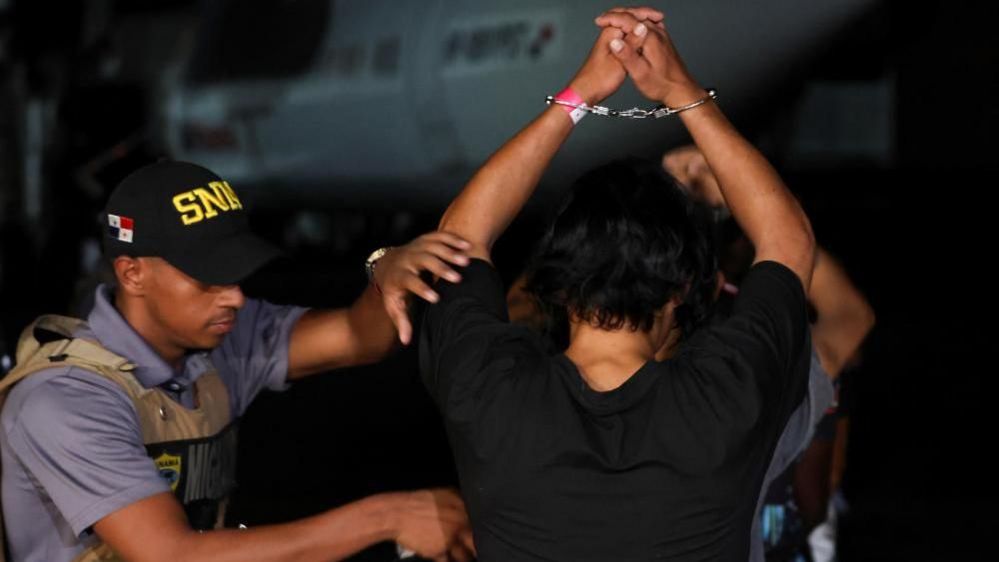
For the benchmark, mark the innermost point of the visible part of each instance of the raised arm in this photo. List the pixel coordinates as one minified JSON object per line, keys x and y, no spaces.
{"x":843,"y":315}
{"x":501,"y":187}
{"x":758,"y":199}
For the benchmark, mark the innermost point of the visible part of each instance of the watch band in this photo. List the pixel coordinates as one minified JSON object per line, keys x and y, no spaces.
{"x":372,"y":261}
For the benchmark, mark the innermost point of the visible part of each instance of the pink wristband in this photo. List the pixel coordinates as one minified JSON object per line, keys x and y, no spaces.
{"x":569,"y":96}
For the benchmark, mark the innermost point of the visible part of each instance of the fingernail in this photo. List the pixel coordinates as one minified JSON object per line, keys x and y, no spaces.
{"x":453,"y":277}
{"x":640,"y":29}
{"x":616,"y":45}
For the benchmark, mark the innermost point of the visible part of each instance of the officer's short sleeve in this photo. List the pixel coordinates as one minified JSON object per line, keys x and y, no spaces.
{"x":78,"y":437}
{"x":254,"y":355}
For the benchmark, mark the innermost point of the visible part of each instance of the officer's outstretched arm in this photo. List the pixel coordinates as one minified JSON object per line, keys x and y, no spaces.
{"x":368,"y":330}
{"x":431,"y":523}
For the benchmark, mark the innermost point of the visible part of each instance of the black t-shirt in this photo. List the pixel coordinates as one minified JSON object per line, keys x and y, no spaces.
{"x":667,"y":466}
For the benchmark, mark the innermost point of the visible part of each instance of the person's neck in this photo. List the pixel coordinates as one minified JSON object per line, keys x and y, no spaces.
{"x":606,"y":359}
{"x":139,"y":319}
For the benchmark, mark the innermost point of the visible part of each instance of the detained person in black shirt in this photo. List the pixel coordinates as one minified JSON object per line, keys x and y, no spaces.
{"x":601,"y":452}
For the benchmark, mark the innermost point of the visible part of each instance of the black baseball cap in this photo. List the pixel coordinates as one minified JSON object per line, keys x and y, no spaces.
{"x":190,"y":217}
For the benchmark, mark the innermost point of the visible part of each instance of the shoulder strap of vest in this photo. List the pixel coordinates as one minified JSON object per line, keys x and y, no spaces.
{"x":49,"y":342}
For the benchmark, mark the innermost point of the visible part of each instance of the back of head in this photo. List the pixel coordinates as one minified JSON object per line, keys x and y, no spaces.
{"x":625,"y":241}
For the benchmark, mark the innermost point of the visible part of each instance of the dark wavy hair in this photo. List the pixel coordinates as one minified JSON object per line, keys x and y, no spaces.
{"x":625,"y":241}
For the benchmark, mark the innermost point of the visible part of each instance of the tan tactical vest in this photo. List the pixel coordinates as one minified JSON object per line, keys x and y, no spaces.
{"x":196,"y":436}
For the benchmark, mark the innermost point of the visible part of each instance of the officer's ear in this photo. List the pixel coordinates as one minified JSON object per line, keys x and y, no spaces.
{"x":130,"y":273}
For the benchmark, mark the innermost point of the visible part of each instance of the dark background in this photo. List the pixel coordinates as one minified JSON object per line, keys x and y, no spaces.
{"x":911,"y":220}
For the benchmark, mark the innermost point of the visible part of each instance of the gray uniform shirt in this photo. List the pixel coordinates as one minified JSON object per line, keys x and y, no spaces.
{"x":793,"y":440}
{"x":71,"y":445}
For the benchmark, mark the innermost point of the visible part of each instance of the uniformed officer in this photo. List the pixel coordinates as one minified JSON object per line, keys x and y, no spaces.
{"x":119,"y":431}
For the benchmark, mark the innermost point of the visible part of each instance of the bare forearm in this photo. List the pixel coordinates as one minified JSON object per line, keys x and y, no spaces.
{"x":755,"y":194}
{"x":499,"y":190}
{"x":155,"y":529}
{"x":330,"y":339}
{"x":761,"y":203}
{"x":332,"y":535}
{"x":844,"y":317}
{"x":372,"y":327}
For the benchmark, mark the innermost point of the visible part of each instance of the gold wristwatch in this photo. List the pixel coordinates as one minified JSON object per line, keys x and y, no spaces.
{"x":369,"y":264}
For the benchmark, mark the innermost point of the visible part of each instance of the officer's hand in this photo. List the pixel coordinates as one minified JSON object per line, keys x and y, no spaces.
{"x":434,"y":524}
{"x":397,"y":274}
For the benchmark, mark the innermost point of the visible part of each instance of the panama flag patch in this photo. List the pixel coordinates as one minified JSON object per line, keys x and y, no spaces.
{"x":120,"y":228}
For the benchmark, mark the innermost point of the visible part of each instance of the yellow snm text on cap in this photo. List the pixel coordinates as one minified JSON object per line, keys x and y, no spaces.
{"x":199,"y":203}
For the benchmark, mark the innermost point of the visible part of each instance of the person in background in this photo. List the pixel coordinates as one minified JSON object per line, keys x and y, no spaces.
{"x":796,"y":497}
